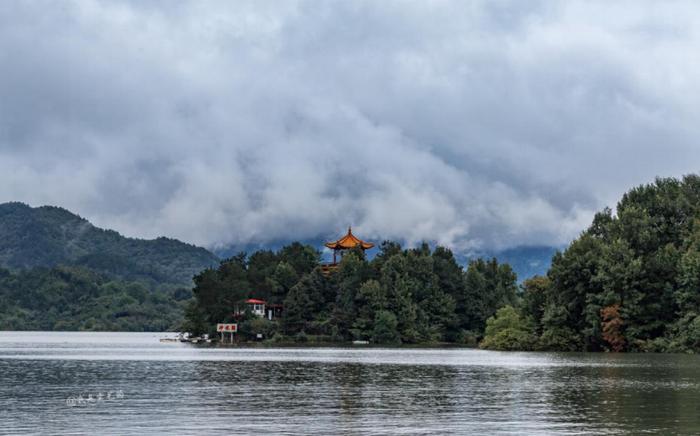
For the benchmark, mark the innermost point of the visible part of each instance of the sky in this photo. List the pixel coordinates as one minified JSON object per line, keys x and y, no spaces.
{"x":473,"y":124}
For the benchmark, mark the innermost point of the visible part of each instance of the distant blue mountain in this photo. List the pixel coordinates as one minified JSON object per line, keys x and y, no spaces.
{"x":526,"y":261}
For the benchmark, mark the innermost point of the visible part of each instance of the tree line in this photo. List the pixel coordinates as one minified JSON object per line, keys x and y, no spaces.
{"x":74,"y":298}
{"x":417,"y":295}
{"x":630,"y":282}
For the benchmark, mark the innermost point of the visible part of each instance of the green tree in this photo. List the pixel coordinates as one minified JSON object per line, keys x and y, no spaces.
{"x":370,"y":300}
{"x":384,"y":331}
{"x":352,"y":273}
{"x":571,"y":275}
{"x":508,"y":330}
{"x":261,"y":267}
{"x":283,"y":278}
{"x":630,"y":278}
{"x":400,"y":288}
{"x":488,"y":286}
{"x":303,"y":258}
{"x":298,"y":309}
{"x":195,"y":321}
{"x":534,"y":299}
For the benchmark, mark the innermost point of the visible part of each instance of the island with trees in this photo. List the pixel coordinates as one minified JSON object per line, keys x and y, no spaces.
{"x":411,"y":296}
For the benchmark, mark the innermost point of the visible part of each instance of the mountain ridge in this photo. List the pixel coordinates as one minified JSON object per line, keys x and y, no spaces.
{"x":47,"y":236}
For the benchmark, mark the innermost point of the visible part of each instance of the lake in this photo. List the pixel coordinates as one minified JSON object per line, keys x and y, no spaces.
{"x":132,"y":384}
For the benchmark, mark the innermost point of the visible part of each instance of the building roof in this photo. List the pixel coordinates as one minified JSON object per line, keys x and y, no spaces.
{"x":349,"y":241}
{"x":254,"y":301}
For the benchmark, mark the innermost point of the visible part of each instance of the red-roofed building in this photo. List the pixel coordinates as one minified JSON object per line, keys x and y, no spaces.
{"x":256,"y":306}
{"x":261,"y":308}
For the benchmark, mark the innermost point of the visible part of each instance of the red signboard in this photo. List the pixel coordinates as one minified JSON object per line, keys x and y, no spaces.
{"x":233,"y":328}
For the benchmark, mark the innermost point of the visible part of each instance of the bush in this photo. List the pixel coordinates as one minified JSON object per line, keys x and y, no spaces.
{"x":686,"y":335}
{"x":507,"y":330}
{"x":467,"y":337}
{"x":250,"y":328}
{"x":559,"y":339}
{"x":656,"y":345}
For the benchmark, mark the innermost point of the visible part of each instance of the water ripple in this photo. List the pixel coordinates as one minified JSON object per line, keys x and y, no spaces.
{"x":158,"y":388}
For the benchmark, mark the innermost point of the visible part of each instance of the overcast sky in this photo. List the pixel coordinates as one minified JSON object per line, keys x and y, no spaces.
{"x":473,"y":124}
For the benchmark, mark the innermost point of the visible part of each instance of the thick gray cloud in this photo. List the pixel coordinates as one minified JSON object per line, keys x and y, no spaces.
{"x":475,"y":124}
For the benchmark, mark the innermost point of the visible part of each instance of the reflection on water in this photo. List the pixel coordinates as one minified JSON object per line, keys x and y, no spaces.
{"x":181,"y":389}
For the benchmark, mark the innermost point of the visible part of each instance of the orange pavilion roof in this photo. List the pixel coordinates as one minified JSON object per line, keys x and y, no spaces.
{"x":349,"y":241}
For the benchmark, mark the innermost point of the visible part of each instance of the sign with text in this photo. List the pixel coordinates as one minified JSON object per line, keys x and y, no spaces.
{"x":233,"y":328}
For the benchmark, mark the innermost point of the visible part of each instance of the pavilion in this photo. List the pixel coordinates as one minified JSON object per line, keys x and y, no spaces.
{"x":347,"y":242}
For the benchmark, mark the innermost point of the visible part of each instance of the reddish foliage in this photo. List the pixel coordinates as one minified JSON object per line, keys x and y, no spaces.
{"x":612,"y":327}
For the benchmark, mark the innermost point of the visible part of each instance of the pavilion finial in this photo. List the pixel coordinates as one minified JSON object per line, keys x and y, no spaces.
{"x":349,"y":230}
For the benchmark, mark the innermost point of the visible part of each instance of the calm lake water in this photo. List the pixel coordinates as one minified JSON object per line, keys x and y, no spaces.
{"x":131,"y":384}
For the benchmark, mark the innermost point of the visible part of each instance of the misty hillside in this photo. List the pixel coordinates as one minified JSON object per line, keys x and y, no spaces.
{"x":48,"y":236}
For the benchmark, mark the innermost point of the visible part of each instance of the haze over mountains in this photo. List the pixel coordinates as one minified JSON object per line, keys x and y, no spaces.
{"x":47,"y":236}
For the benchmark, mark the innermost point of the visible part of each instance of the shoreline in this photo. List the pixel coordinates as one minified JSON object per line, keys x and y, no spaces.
{"x":40,"y":336}
{"x":350,"y":345}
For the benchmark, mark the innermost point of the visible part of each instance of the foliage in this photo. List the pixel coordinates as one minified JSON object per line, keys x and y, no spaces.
{"x":72,"y":298}
{"x":631,"y":281}
{"x":417,"y":295}
{"x":611,"y":323}
{"x":488,"y":286}
{"x":533,"y":299}
{"x":258,"y":326}
{"x":508,"y":330}
{"x":384,"y":331}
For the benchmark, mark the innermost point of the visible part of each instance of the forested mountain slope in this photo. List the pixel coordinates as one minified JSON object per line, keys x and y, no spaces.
{"x":48,"y":236}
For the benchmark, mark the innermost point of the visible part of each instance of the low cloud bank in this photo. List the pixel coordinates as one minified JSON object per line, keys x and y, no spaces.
{"x":476,"y":125}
